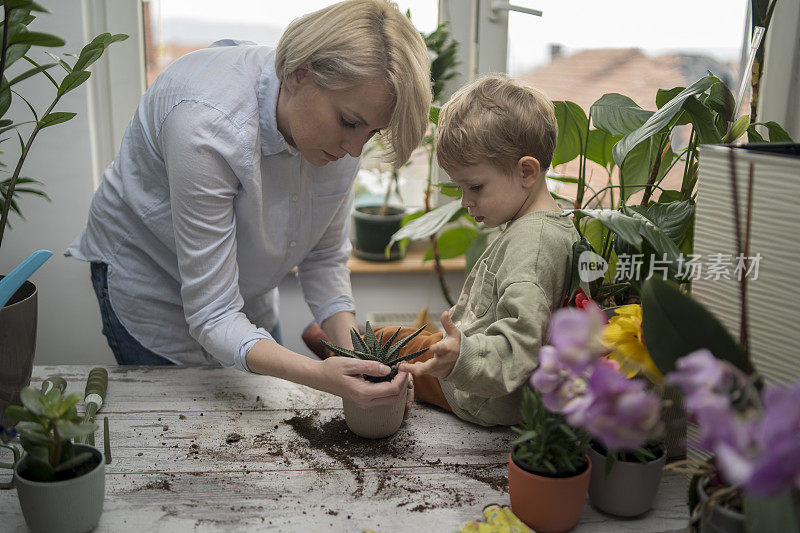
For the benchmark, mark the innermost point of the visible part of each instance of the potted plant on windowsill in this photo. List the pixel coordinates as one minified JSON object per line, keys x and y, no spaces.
{"x":19,"y":316}
{"x":548,"y":470}
{"x":382,"y":420}
{"x":60,"y":485}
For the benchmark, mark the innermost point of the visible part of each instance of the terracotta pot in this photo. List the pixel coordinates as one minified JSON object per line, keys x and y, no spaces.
{"x":17,"y":346}
{"x":373,"y":232}
{"x":374,"y":422}
{"x":547,"y":504}
{"x":68,"y":506}
{"x":718,"y":519}
{"x":629,"y":489}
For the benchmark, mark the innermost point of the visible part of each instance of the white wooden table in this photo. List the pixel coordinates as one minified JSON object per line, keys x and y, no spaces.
{"x":210,"y":449}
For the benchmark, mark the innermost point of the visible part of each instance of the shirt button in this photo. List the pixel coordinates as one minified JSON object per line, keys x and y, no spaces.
{"x":292,"y":244}
{"x":294,"y":197}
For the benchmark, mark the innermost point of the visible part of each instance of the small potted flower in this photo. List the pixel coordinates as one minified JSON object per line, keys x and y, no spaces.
{"x":548,"y":470}
{"x":751,"y":482}
{"x":60,"y":485}
{"x":623,"y":419}
{"x":382,"y":420}
{"x":754,"y":436}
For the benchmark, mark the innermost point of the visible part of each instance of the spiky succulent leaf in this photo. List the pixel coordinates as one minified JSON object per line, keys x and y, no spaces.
{"x":407,"y":357}
{"x":338,"y":350}
{"x":397,"y":347}
{"x":358,"y":342}
{"x":372,"y":341}
{"x":385,"y":347}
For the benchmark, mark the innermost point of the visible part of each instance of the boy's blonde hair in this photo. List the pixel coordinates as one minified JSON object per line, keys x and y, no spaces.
{"x":498,"y":120}
{"x":357,"y":40}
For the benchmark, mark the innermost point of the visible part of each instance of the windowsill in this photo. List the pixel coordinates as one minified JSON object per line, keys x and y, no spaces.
{"x":411,"y":263}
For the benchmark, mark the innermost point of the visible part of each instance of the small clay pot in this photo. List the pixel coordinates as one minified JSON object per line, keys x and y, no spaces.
{"x":547,"y":504}
{"x":630,"y":487}
{"x":374,"y":422}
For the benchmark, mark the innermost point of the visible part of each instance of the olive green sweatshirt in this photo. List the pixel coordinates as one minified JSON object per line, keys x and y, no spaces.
{"x":502,"y":314}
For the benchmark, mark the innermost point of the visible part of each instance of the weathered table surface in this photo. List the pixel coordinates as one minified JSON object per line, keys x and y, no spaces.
{"x":202,"y":448}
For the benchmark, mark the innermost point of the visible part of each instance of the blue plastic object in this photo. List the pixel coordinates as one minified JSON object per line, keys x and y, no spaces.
{"x":12,"y":282}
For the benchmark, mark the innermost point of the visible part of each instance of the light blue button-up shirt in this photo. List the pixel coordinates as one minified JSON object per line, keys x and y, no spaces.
{"x":206,"y":208}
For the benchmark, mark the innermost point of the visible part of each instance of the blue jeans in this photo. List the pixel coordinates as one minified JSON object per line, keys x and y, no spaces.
{"x":126,"y":349}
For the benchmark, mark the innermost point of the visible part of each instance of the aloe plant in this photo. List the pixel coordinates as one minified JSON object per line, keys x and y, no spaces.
{"x":372,"y":348}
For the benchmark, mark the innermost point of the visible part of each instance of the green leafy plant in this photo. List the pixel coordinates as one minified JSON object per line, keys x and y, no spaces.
{"x":546,"y":442}
{"x":372,"y":348}
{"x":17,"y":40}
{"x":46,"y":424}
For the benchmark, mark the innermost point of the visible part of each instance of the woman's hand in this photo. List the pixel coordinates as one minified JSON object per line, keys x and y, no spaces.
{"x":342,"y":376}
{"x":445,"y":353}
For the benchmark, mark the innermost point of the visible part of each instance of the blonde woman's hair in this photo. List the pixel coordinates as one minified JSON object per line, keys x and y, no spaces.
{"x":357,"y":40}
{"x":497,"y":120}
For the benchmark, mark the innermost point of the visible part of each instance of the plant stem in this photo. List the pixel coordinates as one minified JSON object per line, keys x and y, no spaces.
{"x":5,"y":42}
{"x":13,"y":183}
{"x":648,"y":190}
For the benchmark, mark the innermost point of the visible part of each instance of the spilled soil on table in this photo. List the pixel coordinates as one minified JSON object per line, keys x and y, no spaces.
{"x":355,"y":453}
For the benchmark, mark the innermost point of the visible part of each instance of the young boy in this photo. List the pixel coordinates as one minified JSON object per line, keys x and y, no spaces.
{"x":495,"y":140}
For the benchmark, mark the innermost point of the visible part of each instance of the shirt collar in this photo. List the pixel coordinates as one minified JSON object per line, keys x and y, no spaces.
{"x":272,"y":142}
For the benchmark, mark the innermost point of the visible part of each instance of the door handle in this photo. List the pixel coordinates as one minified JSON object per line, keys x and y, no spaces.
{"x":499,"y":6}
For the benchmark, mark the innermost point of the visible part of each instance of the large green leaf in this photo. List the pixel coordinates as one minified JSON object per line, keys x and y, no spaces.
{"x":73,"y":80}
{"x":674,"y":325}
{"x":55,"y":118}
{"x":777,"y":133}
{"x":721,"y":100}
{"x":453,"y":242}
{"x":672,"y":218}
{"x":660,"y":119}
{"x":600,"y":148}
{"x":5,"y":97}
{"x":637,"y":167}
{"x":71,"y":430}
{"x":703,"y":121}
{"x":429,"y":223}
{"x":572,"y":126}
{"x":35,"y":38}
{"x":626,"y":227}
{"x":618,"y":114}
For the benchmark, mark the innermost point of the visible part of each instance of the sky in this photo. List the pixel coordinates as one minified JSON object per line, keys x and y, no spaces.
{"x":713,"y":27}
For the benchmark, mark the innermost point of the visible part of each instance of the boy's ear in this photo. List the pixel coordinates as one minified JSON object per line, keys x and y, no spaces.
{"x":529,"y":168}
{"x":299,"y":76}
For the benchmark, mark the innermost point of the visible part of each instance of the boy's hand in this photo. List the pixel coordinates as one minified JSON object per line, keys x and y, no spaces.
{"x":445,"y":353}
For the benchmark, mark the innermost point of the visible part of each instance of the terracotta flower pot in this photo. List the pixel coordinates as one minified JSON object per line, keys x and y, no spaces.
{"x":374,"y":422}
{"x":18,"y":340}
{"x":630,"y":487}
{"x":547,"y":504}
{"x":68,"y":506}
{"x":718,"y":519}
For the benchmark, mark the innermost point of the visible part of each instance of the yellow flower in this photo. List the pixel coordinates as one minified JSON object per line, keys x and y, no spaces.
{"x":623,"y":335}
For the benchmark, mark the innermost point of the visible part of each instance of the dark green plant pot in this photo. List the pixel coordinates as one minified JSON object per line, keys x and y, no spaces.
{"x":630,"y":487}
{"x":68,"y":506}
{"x":18,"y":341}
{"x":374,"y":231}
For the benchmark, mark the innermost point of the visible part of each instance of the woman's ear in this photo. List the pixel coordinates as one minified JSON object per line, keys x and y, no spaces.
{"x":529,"y":168}
{"x":300,"y":75}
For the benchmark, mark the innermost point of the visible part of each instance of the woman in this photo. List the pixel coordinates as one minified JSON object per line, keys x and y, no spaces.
{"x":237,"y":166}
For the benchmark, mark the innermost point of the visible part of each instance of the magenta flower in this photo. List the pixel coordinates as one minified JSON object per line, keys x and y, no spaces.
{"x":575,"y":334}
{"x":617,"y":410}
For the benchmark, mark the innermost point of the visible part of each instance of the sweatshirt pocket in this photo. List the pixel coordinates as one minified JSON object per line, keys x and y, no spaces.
{"x":484,"y":293}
